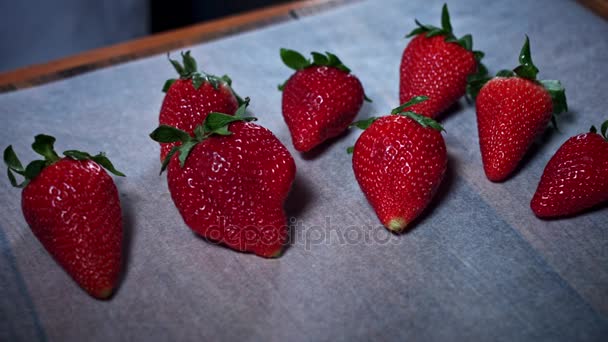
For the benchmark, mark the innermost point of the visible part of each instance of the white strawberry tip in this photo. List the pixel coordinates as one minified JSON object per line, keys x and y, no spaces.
{"x":104,"y":293}
{"x":396,"y":225}
{"x":276,"y":254}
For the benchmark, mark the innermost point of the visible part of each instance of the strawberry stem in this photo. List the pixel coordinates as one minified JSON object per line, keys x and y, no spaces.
{"x":363,"y":124}
{"x":187,"y":70}
{"x":215,"y":124}
{"x":99,"y":158}
{"x":297,"y":61}
{"x":421,"y":119}
{"x":424,"y":121}
{"x":429,"y":31}
{"x":413,"y":101}
{"x":44,"y":145}
{"x":603,"y":130}
{"x":445,"y":19}
{"x":527,"y":70}
{"x":475,"y":81}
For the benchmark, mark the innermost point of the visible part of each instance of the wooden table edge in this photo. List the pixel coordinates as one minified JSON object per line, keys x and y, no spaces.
{"x":37,"y":74}
{"x":154,"y":44}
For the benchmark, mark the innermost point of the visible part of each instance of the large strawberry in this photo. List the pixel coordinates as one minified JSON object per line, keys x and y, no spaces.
{"x":513,"y":108}
{"x":399,"y":162}
{"x":576,"y":177}
{"x":230,"y":180}
{"x":320,"y":99}
{"x":437,"y":64}
{"x":71,"y":205}
{"x":192,"y":97}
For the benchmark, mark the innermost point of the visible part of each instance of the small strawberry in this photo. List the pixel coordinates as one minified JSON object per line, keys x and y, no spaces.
{"x":513,"y":108}
{"x":320,"y":99}
{"x":71,"y":205}
{"x":192,"y":97}
{"x":437,"y":64}
{"x":230,"y":180}
{"x":399,"y":162}
{"x":576,"y":177}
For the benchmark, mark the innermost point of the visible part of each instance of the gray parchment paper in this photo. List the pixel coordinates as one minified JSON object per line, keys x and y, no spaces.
{"x":477,"y":266}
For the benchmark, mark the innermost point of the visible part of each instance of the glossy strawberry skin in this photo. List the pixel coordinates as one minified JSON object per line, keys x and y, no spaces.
{"x":73,"y":208}
{"x":435,"y":68}
{"x":511,"y":113}
{"x":575,"y":179}
{"x":232,"y":189}
{"x":185,"y":107}
{"x":399,"y":165}
{"x":319,"y":103}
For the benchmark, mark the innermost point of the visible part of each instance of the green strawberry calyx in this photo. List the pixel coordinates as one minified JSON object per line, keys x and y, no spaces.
{"x":603,"y":130}
{"x":422,"y":120}
{"x":297,"y":61}
{"x":445,"y":30}
{"x":44,"y":146}
{"x":527,"y":70}
{"x":214,"y":124}
{"x":187,"y":70}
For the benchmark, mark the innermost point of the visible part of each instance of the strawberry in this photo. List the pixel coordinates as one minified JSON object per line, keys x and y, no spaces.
{"x":576,"y":177}
{"x":320,"y":99}
{"x":513,"y":108}
{"x":437,"y":64}
{"x":71,"y":205}
{"x":193,"y":96}
{"x":230,"y":180}
{"x":399,"y":162}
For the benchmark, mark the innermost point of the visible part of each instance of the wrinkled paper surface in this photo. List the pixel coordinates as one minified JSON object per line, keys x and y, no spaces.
{"x":477,"y":266}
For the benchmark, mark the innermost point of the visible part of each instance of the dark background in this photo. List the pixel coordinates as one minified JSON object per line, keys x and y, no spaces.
{"x":37,"y":31}
{"x":165,"y":15}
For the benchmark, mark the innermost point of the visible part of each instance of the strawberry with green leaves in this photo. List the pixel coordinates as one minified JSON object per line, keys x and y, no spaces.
{"x":320,"y":100}
{"x":513,"y":108}
{"x":191,"y":97}
{"x":230,"y":180}
{"x":71,"y":205}
{"x":576,"y":177}
{"x":437,"y":64}
{"x":399,"y":162}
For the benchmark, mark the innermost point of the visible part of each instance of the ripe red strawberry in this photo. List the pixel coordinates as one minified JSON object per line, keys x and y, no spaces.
{"x":320,"y":99}
{"x":230,"y":181}
{"x":71,"y":205}
{"x":513,"y":108}
{"x":399,"y":162}
{"x":437,"y":64}
{"x":576,"y":177}
{"x":192,"y":97}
